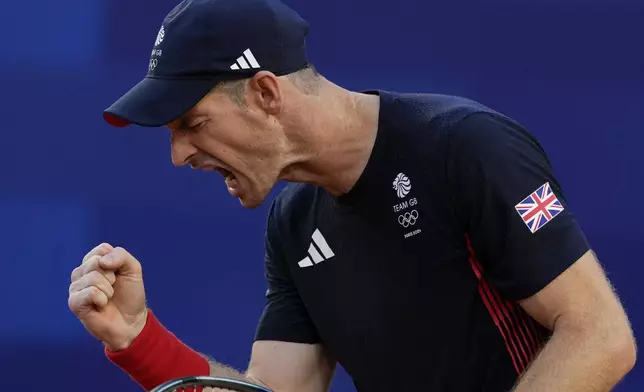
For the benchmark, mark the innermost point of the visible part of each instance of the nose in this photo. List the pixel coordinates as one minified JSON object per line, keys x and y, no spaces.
{"x":181,"y":149}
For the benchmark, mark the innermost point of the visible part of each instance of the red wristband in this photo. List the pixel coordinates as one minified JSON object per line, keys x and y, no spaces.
{"x":157,"y":356}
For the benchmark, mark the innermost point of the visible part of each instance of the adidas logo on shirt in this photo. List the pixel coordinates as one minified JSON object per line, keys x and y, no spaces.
{"x":319,"y":251}
{"x":245,"y":61}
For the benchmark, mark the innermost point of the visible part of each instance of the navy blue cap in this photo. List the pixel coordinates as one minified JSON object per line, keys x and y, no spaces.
{"x":204,"y":42}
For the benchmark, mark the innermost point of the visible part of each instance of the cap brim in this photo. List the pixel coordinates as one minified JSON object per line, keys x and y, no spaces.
{"x":157,"y":102}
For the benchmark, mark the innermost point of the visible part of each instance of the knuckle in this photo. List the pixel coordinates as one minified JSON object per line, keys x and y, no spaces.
{"x":99,"y":280}
{"x":99,"y":297}
{"x":75,"y":287}
{"x":93,"y":278}
{"x":98,"y":250}
{"x":78,"y":287}
{"x":88,"y":255}
{"x":101,"y":249}
{"x":111,"y":277}
{"x":91,"y":264}
{"x":125,"y":256}
{"x":94,"y":291}
{"x":121,"y":251}
{"x":75,"y":302}
{"x":103,"y":284}
{"x":76,"y":272}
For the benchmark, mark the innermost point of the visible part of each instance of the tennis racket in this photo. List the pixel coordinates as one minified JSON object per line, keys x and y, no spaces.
{"x":180,"y":384}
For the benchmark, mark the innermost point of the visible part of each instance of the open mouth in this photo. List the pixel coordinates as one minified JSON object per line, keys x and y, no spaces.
{"x":230,"y":179}
{"x":228,"y":175}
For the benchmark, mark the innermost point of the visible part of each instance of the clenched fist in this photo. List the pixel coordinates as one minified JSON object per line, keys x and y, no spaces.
{"x":107,"y":295}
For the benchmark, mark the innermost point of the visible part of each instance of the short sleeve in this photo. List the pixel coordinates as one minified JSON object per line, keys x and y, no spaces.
{"x":518,"y":222}
{"x":284,"y":317}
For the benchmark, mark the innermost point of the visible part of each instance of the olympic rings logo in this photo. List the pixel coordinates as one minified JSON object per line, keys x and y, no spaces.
{"x":408,"y":218}
{"x":153,"y":64}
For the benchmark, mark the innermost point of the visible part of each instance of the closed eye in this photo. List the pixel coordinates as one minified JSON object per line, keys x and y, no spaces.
{"x":196,"y":126}
{"x":186,"y":130}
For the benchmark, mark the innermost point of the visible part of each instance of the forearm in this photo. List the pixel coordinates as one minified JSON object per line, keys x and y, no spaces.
{"x":574,"y":360}
{"x":218,"y":369}
{"x":221,"y":370}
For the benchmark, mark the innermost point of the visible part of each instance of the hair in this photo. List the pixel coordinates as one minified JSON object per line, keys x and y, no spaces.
{"x":306,"y":80}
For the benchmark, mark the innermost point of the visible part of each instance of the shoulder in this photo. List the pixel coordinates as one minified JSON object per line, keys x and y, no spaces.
{"x":434,"y":123}
{"x":436,"y":128}
{"x":491,"y":135}
{"x":439,"y":110}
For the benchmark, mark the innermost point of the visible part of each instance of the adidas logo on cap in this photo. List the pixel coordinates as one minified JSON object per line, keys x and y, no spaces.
{"x":245,"y":61}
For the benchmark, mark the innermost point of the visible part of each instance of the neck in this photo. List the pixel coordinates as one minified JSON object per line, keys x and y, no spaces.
{"x":335,"y":134}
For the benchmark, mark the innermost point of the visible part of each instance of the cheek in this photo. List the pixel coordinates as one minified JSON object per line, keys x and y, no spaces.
{"x":239,"y":141}
{"x":215,"y":139}
{"x":228,"y":145}
{"x":249,"y":144}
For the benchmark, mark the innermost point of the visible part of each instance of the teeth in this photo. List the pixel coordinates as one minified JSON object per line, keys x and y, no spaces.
{"x":231,"y":181}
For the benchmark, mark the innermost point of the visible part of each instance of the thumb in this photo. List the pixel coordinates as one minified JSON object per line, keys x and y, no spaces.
{"x":121,"y":261}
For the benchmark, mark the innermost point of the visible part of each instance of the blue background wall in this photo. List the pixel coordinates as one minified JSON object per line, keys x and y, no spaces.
{"x":571,"y":71}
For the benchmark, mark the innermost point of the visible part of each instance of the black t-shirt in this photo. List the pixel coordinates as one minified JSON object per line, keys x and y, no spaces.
{"x":410,"y":280}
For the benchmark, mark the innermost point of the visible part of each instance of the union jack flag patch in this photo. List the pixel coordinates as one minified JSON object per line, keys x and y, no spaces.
{"x":539,"y":208}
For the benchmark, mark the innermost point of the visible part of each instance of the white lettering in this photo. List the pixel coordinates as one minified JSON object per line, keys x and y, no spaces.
{"x":401,"y":206}
{"x":405,"y":204}
{"x":413,"y":233}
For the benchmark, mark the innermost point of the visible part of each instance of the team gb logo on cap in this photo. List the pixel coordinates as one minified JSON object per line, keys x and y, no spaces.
{"x":156,"y":53}
{"x":160,"y":37}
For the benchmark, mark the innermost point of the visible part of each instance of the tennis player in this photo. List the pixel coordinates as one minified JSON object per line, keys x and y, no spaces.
{"x":423,"y":241}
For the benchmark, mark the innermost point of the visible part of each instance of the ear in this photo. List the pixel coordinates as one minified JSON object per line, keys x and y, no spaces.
{"x":266,"y":92}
